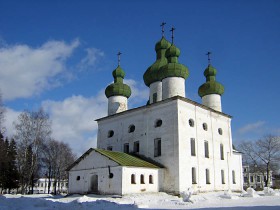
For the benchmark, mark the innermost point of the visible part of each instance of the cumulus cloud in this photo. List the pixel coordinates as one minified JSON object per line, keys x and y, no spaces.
{"x":139,"y":93}
{"x":252,"y":127}
{"x":10,"y":117}
{"x":25,"y":71}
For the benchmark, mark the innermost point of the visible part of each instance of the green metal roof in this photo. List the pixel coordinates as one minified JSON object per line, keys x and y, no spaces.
{"x":151,"y":74}
{"x":125,"y":159}
{"x":211,"y":86}
{"x":118,"y":88}
{"x":173,"y":68}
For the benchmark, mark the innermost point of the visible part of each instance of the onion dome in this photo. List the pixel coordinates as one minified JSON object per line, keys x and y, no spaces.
{"x":173,"y":68}
{"x":151,"y":74}
{"x":118,"y":88}
{"x":210,"y":86}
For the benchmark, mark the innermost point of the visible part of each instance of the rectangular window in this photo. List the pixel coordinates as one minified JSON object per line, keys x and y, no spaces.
{"x":233,"y":177}
{"x":110,"y":148}
{"x":192,"y":147}
{"x":207,"y":176}
{"x":136,"y":147}
{"x":126,"y":148}
{"x":258,"y":179}
{"x":154,"y":97}
{"x":206,"y":149}
{"x":245,"y":179}
{"x":157,"y":147}
{"x":251,"y":179}
{"x":223,"y":176}
{"x":222,"y":151}
{"x":194,"y":175}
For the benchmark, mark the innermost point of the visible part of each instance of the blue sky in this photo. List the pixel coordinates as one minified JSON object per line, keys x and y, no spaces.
{"x":60,"y":55}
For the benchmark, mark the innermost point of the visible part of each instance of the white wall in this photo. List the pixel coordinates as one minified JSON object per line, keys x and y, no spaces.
{"x":213,"y":101}
{"x":156,"y":87}
{"x":173,"y":86}
{"x":116,"y":104}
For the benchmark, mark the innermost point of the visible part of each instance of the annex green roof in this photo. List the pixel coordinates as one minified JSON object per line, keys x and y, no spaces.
{"x":173,"y":68}
{"x":151,"y":74}
{"x":211,"y":86}
{"x":118,"y":88}
{"x":125,"y":159}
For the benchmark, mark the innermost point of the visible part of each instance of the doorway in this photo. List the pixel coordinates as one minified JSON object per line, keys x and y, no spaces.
{"x":94,"y":184}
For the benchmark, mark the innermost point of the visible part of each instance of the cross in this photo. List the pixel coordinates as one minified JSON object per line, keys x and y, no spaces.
{"x":162,"y":28}
{"x":119,"y":57}
{"x":172,"y":32}
{"x":208,"y":55}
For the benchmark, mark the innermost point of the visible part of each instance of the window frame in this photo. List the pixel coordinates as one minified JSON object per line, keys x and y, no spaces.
{"x":206,"y":149}
{"x":126,"y":148}
{"x":110,"y":133}
{"x":131,"y":128}
{"x":193,"y":152}
{"x":157,"y":147}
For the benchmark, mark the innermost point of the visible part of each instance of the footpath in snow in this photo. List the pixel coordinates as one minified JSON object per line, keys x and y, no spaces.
{"x":265,"y":200}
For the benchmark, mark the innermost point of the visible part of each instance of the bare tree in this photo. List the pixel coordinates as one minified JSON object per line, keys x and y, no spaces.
{"x":263,"y":155}
{"x":2,"y":115}
{"x":32,"y":129}
{"x":57,"y":157}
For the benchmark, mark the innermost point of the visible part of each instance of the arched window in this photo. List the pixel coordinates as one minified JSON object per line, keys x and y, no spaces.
{"x":110,"y":133}
{"x":205,"y":127}
{"x":207,"y":173}
{"x":158,"y":123}
{"x":220,"y":131}
{"x":133,"y":179}
{"x":151,"y":181}
{"x":142,"y":179}
{"x":222,"y":151}
{"x":206,"y":149}
{"x":191,"y":122}
{"x":131,"y":128}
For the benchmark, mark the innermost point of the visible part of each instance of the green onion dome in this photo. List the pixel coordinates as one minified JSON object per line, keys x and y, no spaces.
{"x":173,"y":68}
{"x":210,"y":86}
{"x":151,"y":74}
{"x":118,"y":88}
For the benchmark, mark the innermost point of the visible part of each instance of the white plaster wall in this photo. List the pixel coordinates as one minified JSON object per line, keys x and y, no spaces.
{"x":173,"y":86}
{"x":128,"y":187}
{"x":145,"y":132}
{"x":213,"y":101}
{"x":156,"y":87}
{"x":214,"y":163}
{"x":116,"y":104}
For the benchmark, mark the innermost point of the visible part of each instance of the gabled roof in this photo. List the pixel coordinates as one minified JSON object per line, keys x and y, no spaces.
{"x":121,"y":158}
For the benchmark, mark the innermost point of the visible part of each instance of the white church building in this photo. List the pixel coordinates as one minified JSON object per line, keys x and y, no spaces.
{"x":170,"y":145}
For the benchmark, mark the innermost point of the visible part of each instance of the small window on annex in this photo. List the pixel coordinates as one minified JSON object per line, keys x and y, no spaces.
{"x":132,"y":180}
{"x":223,"y":176}
{"x":110,"y":148}
{"x":157,"y":147}
{"x":158,"y":123}
{"x":233,"y":177}
{"x":126,"y":148}
{"x":110,"y":133}
{"x":78,"y":178}
{"x":204,"y":126}
{"x":193,"y":147}
{"x":194,"y":175}
{"x":136,"y":147}
{"x":131,"y":128}
{"x":151,"y":181}
{"x":142,"y":179}
{"x":220,"y":131}
{"x":191,"y":122}
{"x":207,"y":173}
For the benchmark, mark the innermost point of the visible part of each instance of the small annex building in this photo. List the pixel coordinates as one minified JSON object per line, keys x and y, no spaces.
{"x":192,"y":141}
{"x":107,"y":172}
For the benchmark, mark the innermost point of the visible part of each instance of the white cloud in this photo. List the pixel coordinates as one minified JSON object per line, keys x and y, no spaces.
{"x":10,"y":117}
{"x":25,"y":71}
{"x":252,"y":127}
{"x":139,"y":93}
{"x":93,"y":55}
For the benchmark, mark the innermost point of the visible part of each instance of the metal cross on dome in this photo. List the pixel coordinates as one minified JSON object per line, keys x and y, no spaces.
{"x":172,"y":32}
{"x":119,"y":57}
{"x":162,"y":28}
{"x":209,"y":59}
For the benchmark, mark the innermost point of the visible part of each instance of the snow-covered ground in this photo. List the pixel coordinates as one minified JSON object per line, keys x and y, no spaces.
{"x":265,"y":200}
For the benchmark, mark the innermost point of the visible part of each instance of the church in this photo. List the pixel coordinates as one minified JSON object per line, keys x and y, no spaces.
{"x":169,"y":145}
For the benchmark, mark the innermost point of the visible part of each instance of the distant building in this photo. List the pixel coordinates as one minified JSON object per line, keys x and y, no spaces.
{"x":41,"y":186}
{"x":178,"y":143}
{"x":255,"y":179}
